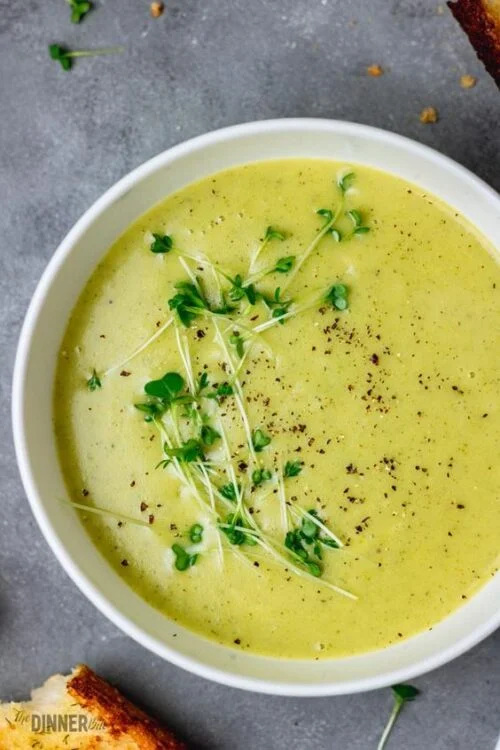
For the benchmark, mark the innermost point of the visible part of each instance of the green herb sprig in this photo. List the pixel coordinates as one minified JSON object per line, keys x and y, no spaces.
{"x":65,"y":57}
{"x":183,"y":560}
{"x":94,"y":382}
{"x":292,"y":469}
{"x":79,"y":9}
{"x":196,"y":533}
{"x":261,"y":475}
{"x":402,"y":694}
{"x":260,"y":440}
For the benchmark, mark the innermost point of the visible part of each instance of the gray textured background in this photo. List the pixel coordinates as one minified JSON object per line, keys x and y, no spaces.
{"x":65,"y":138}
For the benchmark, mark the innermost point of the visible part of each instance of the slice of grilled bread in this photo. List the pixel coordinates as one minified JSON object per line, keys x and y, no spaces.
{"x":480,"y":19}
{"x":80,"y":712}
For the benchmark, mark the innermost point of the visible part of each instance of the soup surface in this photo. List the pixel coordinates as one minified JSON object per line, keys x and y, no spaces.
{"x":302,"y":460}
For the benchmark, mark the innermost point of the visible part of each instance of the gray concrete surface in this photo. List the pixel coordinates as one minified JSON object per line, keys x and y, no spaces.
{"x":65,"y":137}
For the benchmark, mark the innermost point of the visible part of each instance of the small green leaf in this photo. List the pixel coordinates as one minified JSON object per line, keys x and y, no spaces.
{"x":284,"y":265}
{"x":336,"y":234}
{"x":236,"y":340}
{"x":167,"y":387}
{"x":202,"y":382}
{"x":292,"y":468}
{"x":344,"y":182}
{"x":191,"y":450}
{"x":94,"y":382}
{"x":208,"y":435}
{"x":260,"y":440}
{"x":229,"y":492}
{"x":260,"y":475}
{"x":361,"y":230}
{"x":162,"y":243}
{"x":326,"y":214}
{"x":404,"y":693}
{"x":337,"y":296}
{"x":79,"y":9}
{"x":196,"y":533}
{"x":273,"y":234}
{"x":355,"y":217}
{"x":183,"y":560}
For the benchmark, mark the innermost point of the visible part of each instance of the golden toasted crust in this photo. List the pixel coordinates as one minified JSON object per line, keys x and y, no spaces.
{"x":119,"y":715}
{"x":480,"y":19}
{"x":85,"y":713}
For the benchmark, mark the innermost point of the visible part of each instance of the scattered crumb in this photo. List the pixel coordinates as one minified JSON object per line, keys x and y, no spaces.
{"x":157,"y":9}
{"x":429,"y":115}
{"x":375,"y":71}
{"x":468,"y":82}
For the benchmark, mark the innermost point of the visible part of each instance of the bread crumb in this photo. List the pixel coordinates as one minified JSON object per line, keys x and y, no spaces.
{"x":375,"y":71}
{"x":157,"y":9}
{"x":429,"y":115}
{"x":468,"y":82}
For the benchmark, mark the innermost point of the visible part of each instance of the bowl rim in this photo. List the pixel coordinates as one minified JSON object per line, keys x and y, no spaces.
{"x":60,"y":549}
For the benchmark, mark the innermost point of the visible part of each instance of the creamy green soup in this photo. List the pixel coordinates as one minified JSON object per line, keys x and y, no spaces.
{"x":276,"y":408}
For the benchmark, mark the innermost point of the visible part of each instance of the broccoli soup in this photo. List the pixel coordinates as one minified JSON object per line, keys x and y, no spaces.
{"x":276,"y":411}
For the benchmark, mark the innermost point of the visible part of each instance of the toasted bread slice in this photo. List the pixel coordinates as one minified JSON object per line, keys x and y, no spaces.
{"x":80,"y":712}
{"x":480,"y":19}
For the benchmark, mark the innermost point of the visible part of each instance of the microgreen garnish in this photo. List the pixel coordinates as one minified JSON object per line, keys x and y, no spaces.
{"x":202,"y":382}
{"x":344,"y":182}
{"x":222,"y":390}
{"x":402,"y":694}
{"x":292,"y":468}
{"x":79,"y":9}
{"x":276,"y":304}
{"x":188,"y":432}
{"x":169,"y":389}
{"x":357,"y":220}
{"x":94,"y":382}
{"x":294,"y":541}
{"x":284,"y":265}
{"x":209,"y":435}
{"x":196,"y":533}
{"x":162,"y":243}
{"x":186,"y":303}
{"x":237,"y":341}
{"x":260,"y":475}
{"x":240,"y":289}
{"x":65,"y":57}
{"x":183,"y":560}
{"x":326,"y":214}
{"x":235,"y":530}
{"x":260,"y":440}
{"x":273,"y":234}
{"x":337,"y":296}
{"x":191,"y":450}
{"x":229,"y":491}
{"x":305,"y":541}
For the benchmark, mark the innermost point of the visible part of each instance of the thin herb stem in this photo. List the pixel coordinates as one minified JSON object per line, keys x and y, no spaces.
{"x":313,"y":245}
{"x":388,"y":728}
{"x":104,"y":512}
{"x":94,"y":52}
{"x":140,"y":348}
{"x":238,"y":391}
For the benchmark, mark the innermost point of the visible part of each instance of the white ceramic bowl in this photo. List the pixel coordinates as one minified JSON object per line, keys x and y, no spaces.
{"x":43,"y":328}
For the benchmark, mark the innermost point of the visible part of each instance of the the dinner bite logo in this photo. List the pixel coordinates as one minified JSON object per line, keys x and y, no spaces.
{"x":51,"y":723}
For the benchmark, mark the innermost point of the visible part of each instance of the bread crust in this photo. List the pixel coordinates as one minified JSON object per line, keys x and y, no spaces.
{"x":120,"y":716}
{"x":103,"y":718}
{"x":480,"y":19}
